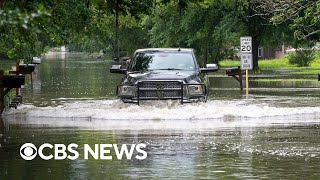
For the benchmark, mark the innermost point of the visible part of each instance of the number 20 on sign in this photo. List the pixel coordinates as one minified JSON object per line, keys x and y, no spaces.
{"x":246,"y":45}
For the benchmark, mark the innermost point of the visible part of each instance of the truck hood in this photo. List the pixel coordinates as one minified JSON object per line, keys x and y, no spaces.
{"x":185,"y":76}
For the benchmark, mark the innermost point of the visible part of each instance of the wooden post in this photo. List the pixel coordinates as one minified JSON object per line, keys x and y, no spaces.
{"x":1,"y":125}
{"x":240,"y":77}
{"x":17,"y":73}
{"x":237,"y":74}
{"x":247,"y":82}
{"x":1,"y":92}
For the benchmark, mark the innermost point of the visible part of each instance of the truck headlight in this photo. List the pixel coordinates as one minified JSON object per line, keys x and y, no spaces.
{"x":126,"y":91}
{"x":195,"y":90}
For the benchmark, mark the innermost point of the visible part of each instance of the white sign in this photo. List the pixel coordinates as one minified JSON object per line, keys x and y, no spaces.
{"x":246,"y":62}
{"x":246,"y":44}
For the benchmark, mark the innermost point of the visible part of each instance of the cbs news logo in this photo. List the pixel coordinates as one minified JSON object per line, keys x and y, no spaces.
{"x":29,"y":151}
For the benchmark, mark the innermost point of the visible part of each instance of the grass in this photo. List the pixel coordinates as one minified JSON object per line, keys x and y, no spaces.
{"x":279,"y":64}
{"x":282,"y":80}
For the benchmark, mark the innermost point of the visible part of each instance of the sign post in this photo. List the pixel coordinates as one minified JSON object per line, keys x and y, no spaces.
{"x":246,"y":58}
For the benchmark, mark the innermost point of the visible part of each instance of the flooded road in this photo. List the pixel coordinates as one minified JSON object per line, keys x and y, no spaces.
{"x":274,"y":133}
{"x":271,"y":152}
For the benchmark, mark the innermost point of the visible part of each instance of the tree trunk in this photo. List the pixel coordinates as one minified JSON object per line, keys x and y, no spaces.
{"x":116,"y":44}
{"x":88,"y":3}
{"x":255,"y":29}
{"x":2,"y":106}
{"x":1,"y":4}
{"x":206,"y":57}
{"x":255,"y":46}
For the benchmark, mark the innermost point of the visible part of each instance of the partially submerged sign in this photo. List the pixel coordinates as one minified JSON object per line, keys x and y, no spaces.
{"x":246,"y":57}
{"x":246,"y":53}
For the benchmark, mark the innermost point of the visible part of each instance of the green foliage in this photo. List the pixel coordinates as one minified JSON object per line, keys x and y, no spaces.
{"x":100,"y":34}
{"x":208,"y":27}
{"x":132,"y":35}
{"x":19,"y":34}
{"x":96,"y":35}
{"x":68,"y":18}
{"x":211,"y":27}
{"x":302,"y":17}
{"x":127,"y":7}
{"x":302,"y":57}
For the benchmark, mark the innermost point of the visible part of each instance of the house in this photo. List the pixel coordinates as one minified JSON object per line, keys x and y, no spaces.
{"x":272,"y":53}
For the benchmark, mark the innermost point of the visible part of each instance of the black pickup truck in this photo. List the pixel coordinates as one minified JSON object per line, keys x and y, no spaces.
{"x":163,"y":74}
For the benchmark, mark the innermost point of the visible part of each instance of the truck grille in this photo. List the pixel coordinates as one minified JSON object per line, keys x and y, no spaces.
{"x":159,"y":84}
{"x":160,"y":94}
{"x":160,"y":90}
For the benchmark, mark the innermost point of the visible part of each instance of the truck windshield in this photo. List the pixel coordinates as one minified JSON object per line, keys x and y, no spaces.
{"x":163,"y":61}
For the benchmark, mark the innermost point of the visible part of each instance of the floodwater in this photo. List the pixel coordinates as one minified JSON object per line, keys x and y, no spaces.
{"x":274,"y":133}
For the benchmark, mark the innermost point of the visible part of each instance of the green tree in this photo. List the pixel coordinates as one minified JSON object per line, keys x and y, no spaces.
{"x":297,"y":19}
{"x":101,"y":34}
{"x":255,"y":26}
{"x":19,"y":33}
{"x":302,"y":16}
{"x":68,"y":18}
{"x":26,"y":28}
{"x":122,"y":8}
{"x":206,"y":26}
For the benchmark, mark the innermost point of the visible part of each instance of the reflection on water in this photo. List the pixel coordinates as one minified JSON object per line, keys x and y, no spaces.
{"x":77,"y":76}
{"x":273,"y":133}
{"x":222,"y":87}
{"x":236,"y":152}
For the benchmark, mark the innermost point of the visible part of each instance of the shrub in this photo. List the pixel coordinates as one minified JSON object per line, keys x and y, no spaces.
{"x":302,"y":57}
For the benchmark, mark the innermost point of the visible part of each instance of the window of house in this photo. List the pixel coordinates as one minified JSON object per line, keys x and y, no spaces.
{"x":260,"y":54}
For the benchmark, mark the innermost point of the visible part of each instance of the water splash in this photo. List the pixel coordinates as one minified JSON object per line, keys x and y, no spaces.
{"x":163,"y":110}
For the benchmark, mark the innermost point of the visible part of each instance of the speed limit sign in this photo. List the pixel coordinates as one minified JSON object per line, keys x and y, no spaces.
{"x":246,"y":44}
{"x":246,"y":57}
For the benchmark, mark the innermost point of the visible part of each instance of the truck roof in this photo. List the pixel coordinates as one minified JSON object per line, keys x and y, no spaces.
{"x":165,"y":50}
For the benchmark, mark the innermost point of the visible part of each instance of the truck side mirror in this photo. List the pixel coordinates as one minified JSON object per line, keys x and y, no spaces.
{"x":209,"y":68}
{"x":117,"y":69}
